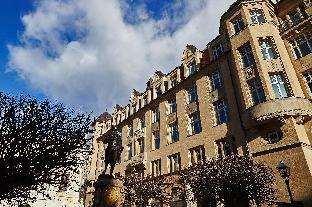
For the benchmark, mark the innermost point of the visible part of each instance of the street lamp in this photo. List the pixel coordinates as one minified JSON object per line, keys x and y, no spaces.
{"x":284,"y":171}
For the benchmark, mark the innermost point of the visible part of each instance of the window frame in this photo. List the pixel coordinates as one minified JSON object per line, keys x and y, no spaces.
{"x":278,"y":80}
{"x":256,"y":91}
{"x":216,"y":80}
{"x":298,"y":45}
{"x":156,"y":140}
{"x":247,"y":56}
{"x":238,"y":24}
{"x":172,"y":103}
{"x":174,"y":132}
{"x":268,"y":49}
{"x":221,"y":106}
{"x":307,"y":76}
{"x":192,"y":94}
{"x":195,"y":121}
{"x":258,"y":15}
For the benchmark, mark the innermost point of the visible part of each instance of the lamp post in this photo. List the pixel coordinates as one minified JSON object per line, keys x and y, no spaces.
{"x":284,"y":171}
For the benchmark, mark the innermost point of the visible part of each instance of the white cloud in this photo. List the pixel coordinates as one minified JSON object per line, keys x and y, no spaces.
{"x":84,"y":53}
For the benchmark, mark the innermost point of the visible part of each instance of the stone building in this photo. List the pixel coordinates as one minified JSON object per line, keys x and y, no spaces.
{"x":248,"y":92}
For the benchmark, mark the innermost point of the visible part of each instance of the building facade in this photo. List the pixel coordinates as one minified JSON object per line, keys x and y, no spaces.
{"x":249,"y":92}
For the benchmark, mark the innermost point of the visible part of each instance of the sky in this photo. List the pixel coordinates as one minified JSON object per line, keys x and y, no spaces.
{"x":90,"y":54}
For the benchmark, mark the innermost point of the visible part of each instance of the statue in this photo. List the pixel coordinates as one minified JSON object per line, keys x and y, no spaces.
{"x":113,"y":150}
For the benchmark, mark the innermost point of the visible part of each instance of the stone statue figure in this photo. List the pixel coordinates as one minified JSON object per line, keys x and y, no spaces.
{"x":113,"y":150}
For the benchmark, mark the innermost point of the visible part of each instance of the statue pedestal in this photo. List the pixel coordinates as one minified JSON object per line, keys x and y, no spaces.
{"x":107,"y":192}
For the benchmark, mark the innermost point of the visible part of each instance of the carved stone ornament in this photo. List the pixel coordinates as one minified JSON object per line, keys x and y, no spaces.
{"x":172,"y":118}
{"x":155,"y":127}
{"x":191,"y":108}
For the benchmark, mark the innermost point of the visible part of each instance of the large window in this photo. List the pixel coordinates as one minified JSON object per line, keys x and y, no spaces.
{"x":156,"y":137}
{"x":226,"y":147}
{"x":158,"y":92}
{"x":172,"y":106}
{"x":267,"y":49}
{"x":301,"y":45}
{"x":156,"y":115}
{"x":217,"y":51}
{"x":221,"y":112}
{"x":174,"y":132}
{"x":238,"y":24}
{"x":192,"y":94}
{"x":247,"y":56}
{"x":215,"y":80}
{"x":256,"y":91}
{"x":308,"y":79}
{"x":156,"y":167}
{"x":278,"y":85}
{"x":257,"y":16}
{"x":195,"y":124}
{"x":197,"y":155}
{"x":174,"y":163}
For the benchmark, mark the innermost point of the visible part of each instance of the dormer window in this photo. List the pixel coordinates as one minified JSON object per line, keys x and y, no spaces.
{"x":174,"y":81}
{"x":192,"y":69}
{"x":134,"y":108}
{"x":217,"y":51}
{"x":158,"y":92}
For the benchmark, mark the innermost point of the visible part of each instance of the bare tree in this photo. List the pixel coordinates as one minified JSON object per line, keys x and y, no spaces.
{"x":233,"y":181}
{"x":39,"y":143}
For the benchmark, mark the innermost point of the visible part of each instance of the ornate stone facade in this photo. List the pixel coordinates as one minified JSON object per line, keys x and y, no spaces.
{"x":249,"y":89}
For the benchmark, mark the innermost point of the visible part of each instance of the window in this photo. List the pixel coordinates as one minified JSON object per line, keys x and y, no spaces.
{"x":158,"y":92}
{"x":192,"y":94}
{"x":295,"y":17}
{"x":301,"y":45}
{"x":257,"y":17}
{"x":141,"y":146}
{"x":174,"y":132}
{"x":174,"y":163}
{"x":144,"y":101}
{"x":226,"y":147}
{"x":274,"y":136}
{"x":247,"y":56}
{"x":197,"y":155}
{"x":174,"y":81}
{"x":172,"y":106}
{"x":130,"y":130}
{"x":156,"y":115}
{"x":156,"y":167}
{"x":238,"y":24}
{"x":192,"y":69}
{"x":134,"y":109}
{"x":278,"y":85}
{"x":215,"y":79}
{"x":256,"y":91}
{"x":221,"y":112}
{"x":129,"y":149}
{"x":195,"y":124}
{"x":217,"y":51}
{"x":308,"y":79}
{"x":156,"y":137}
{"x":267,"y":49}
{"x":142,"y":122}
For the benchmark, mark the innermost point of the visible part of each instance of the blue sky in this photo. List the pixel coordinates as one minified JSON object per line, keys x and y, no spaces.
{"x":10,"y":20}
{"x":91,"y":54}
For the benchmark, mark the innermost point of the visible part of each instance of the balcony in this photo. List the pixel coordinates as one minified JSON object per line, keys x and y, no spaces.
{"x":276,"y":109}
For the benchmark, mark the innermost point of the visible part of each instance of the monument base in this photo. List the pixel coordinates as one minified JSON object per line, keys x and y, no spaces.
{"x":107,"y":192}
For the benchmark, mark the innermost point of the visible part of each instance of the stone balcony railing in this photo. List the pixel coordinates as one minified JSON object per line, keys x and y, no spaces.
{"x":276,"y":109}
